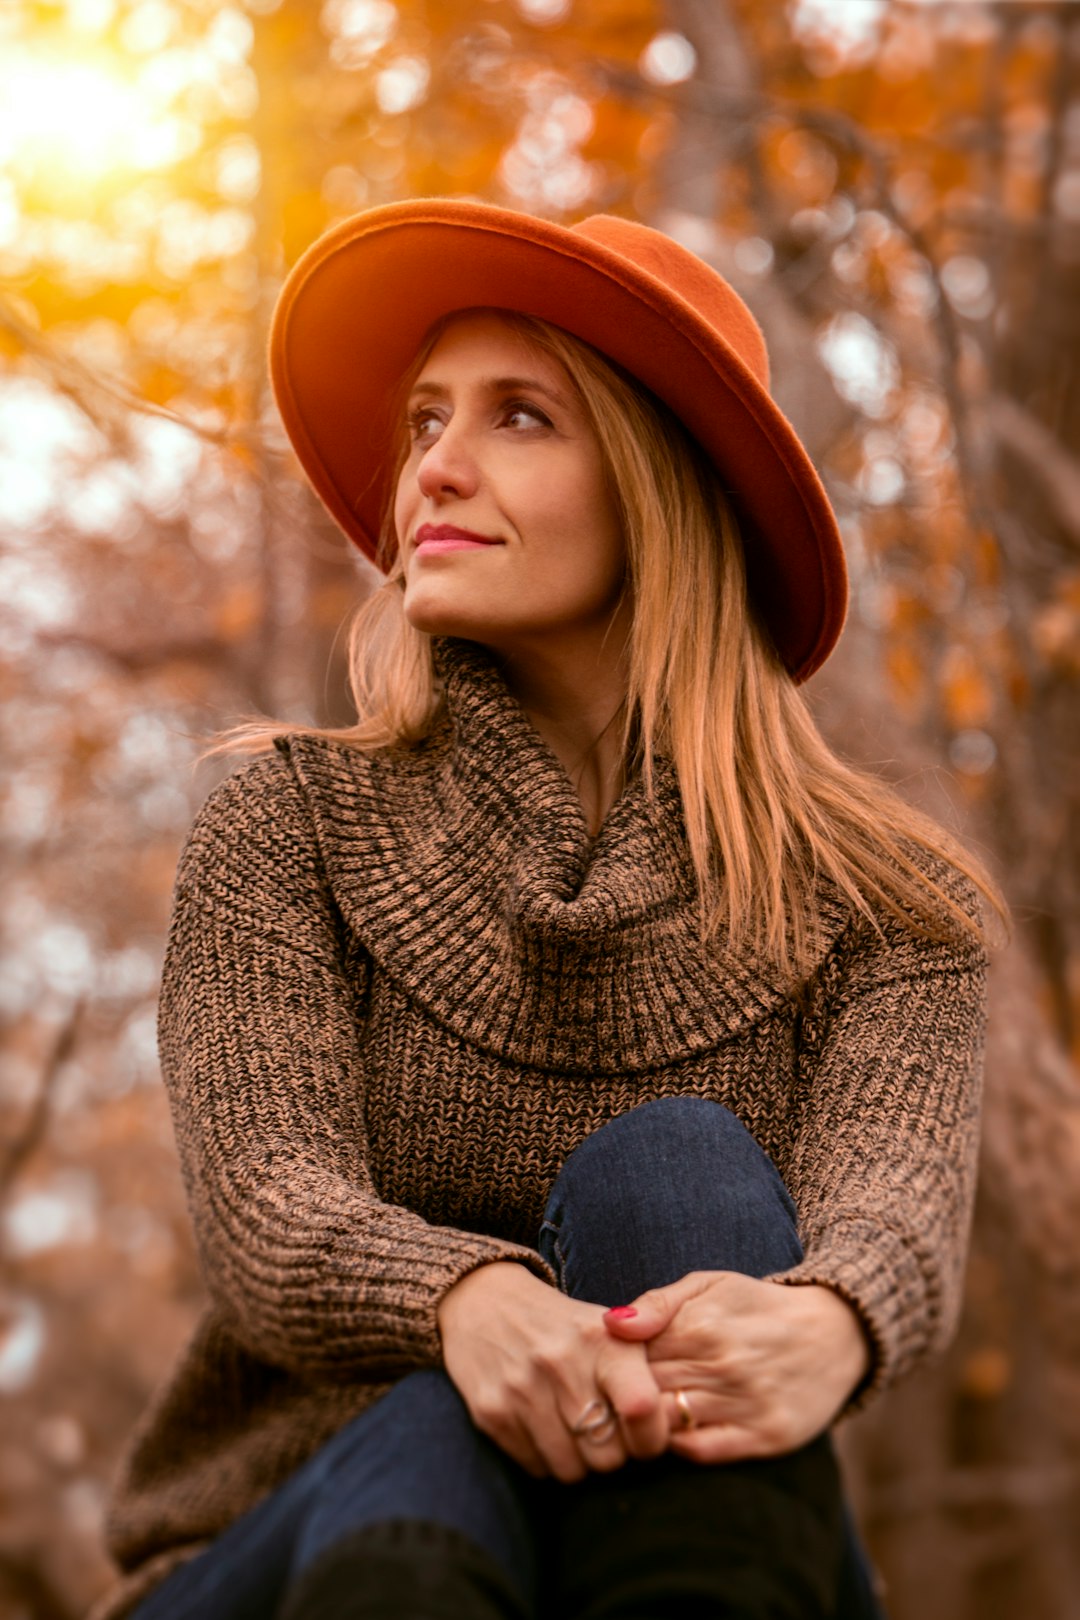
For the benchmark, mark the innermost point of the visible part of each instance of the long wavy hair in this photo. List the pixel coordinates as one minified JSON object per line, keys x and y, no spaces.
{"x":770,"y":810}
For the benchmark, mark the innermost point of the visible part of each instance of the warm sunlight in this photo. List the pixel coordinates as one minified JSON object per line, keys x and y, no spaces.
{"x":70,"y":126}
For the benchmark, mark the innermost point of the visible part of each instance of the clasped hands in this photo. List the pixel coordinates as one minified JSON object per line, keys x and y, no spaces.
{"x":761,"y":1368}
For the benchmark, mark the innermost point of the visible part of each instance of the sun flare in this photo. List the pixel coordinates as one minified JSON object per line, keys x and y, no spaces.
{"x":70,"y":126}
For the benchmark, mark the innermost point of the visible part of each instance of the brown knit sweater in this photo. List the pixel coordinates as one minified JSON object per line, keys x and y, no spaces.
{"x":400,"y":988}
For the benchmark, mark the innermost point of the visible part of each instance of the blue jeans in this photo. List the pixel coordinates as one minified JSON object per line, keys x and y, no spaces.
{"x":675,"y":1185}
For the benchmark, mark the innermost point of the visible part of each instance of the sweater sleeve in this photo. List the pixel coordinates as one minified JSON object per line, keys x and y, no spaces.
{"x":884,"y":1168}
{"x":258,"y":1033}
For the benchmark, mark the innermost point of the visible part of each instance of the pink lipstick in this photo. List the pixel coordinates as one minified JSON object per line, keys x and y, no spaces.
{"x":432,"y":538}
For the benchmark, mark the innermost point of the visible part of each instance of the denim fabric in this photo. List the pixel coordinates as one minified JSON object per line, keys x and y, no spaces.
{"x":713,"y":1201}
{"x":415,"y":1454}
{"x":676,"y":1185}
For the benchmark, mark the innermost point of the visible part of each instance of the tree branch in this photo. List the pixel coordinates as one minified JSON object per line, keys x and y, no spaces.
{"x":87,"y":388}
{"x":1045,"y":458}
{"x":14,"y":1154}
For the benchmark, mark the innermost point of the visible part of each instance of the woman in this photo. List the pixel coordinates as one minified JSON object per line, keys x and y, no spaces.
{"x":574,"y":1065}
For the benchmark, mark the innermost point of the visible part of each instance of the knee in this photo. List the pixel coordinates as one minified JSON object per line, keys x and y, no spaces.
{"x":665,"y":1122}
{"x":677,"y":1179}
{"x":421,"y":1403}
{"x":688,"y":1140}
{"x":403,"y":1567}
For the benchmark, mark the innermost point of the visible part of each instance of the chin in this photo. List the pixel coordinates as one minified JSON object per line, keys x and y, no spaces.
{"x":436,"y":618}
{"x":433,"y":618}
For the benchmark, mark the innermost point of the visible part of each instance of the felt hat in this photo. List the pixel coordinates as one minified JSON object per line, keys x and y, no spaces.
{"x":356,"y":307}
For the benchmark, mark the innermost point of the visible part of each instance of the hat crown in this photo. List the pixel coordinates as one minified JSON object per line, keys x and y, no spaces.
{"x":712,"y":298}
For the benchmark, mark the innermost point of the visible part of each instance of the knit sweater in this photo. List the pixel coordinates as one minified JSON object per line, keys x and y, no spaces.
{"x":400,"y":987}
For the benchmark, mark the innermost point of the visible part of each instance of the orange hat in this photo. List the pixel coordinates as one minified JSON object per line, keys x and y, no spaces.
{"x":356,"y":307}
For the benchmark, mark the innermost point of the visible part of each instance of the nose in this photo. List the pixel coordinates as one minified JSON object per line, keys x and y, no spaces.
{"x":448,"y":467}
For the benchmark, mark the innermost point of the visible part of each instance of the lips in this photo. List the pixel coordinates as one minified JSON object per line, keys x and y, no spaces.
{"x":435,"y":537}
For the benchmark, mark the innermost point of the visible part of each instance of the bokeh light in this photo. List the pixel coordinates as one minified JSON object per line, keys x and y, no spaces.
{"x":67,"y":126}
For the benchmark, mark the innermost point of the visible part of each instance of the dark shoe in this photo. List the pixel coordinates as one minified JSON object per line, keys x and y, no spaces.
{"x":674,"y":1540}
{"x":407,"y":1569}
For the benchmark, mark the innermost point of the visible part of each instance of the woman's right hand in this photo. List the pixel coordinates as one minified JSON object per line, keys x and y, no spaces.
{"x":527,"y":1361}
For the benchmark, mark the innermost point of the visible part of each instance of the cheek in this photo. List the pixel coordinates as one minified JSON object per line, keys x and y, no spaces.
{"x":581,"y":507}
{"x":585,"y":562}
{"x":401,"y":503}
{"x":601,"y":524}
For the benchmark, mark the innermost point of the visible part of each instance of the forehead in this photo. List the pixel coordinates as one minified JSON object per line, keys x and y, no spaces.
{"x":485,"y":341}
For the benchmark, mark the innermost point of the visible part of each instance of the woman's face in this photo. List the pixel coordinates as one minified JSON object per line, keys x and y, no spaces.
{"x":501,"y":451}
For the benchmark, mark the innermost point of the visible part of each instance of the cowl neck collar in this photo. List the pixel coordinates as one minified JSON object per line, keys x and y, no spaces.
{"x":465,"y":867}
{"x":507,"y":787}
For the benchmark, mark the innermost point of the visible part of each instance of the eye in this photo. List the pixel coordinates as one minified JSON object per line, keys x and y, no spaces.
{"x":524,"y":410}
{"x":424,"y":424}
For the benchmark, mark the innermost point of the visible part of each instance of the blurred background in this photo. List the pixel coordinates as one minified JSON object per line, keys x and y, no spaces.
{"x":895,"y":188}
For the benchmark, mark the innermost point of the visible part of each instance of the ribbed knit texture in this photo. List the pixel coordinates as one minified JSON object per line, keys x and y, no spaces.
{"x":399,"y":989}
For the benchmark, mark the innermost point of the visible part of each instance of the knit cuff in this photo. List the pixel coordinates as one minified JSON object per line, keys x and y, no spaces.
{"x":880,"y":1277}
{"x":468,"y":1253}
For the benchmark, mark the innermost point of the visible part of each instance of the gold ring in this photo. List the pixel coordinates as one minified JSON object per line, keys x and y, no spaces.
{"x":687,"y":1420}
{"x":597,"y":1422}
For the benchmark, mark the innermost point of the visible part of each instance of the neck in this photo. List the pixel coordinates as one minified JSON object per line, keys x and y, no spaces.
{"x":573,"y":689}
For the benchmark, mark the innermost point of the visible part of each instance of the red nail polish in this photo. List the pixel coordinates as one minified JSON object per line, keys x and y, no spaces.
{"x":622,"y":1311}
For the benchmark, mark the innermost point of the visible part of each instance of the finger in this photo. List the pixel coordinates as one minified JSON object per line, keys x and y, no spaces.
{"x":689,"y":1407}
{"x":562,"y":1451}
{"x":648,"y":1315}
{"x":570,"y":1456}
{"x":600,"y":1445}
{"x":534,"y":1436}
{"x":603,"y":1456}
{"x":514,"y":1438}
{"x":690,"y":1373}
{"x":632,"y":1391}
{"x":721,"y":1428}
{"x":651,"y":1312}
{"x":720,"y":1443}
{"x":526,"y":1455}
{"x":603,"y":1453}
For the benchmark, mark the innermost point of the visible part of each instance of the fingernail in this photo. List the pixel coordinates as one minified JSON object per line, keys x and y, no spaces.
{"x":622,"y":1311}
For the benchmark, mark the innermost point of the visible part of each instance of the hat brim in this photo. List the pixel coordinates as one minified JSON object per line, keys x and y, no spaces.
{"x":357,"y":306}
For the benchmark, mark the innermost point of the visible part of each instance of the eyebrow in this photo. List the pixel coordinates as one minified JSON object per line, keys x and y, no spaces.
{"x":493,"y":385}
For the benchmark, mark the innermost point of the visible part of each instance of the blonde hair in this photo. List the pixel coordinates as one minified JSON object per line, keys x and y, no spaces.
{"x":770,"y":810}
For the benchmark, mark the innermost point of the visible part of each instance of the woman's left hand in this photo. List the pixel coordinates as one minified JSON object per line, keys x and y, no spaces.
{"x":763,"y":1367}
